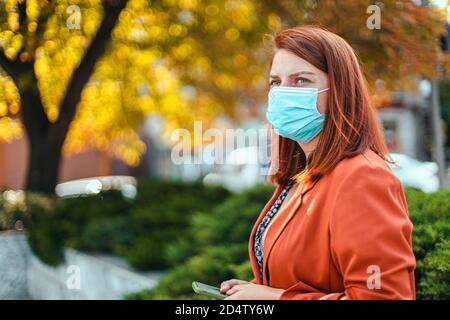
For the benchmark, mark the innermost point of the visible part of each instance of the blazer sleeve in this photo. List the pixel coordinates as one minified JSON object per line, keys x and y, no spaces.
{"x":371,"y":236}
{"x":370,"y":239}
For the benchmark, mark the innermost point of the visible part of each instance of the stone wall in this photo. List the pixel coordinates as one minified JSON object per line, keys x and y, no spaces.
{"x":81,"y":276}
{"x":14,"y":254}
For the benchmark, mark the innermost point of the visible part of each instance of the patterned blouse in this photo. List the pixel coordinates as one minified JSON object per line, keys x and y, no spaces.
{"x":258,"y":246}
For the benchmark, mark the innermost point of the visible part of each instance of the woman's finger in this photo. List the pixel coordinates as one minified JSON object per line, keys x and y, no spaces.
{"x":226,"y":285}
{"x":235,"y":288}
{"x":231,"y":296}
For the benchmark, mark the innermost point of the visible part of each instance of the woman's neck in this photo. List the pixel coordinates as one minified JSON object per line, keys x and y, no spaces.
{"x":310,"y":146}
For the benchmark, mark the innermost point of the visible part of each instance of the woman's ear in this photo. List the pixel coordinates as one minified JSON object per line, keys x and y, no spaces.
{"x":322,"y":101}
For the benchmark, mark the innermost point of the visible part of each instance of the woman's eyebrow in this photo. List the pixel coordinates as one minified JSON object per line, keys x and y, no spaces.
{"x":294,"y":74}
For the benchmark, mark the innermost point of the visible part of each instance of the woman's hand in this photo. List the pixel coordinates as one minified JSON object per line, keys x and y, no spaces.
{"x":227,"y":285}
{"x":244,"y":290}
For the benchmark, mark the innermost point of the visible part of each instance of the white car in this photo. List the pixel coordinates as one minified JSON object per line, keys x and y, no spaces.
{"x":242,"y":170}
{"x":90,"y":186}
{"x":414,"y":173}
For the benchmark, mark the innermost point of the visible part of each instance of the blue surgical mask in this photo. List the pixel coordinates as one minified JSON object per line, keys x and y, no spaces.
{"x":293,"y":113}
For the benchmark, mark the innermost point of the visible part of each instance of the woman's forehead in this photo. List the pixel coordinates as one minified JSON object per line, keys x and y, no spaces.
{"x":286,"y":63}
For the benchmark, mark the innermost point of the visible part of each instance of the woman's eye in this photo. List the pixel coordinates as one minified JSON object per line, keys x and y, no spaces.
{"x":274,"y":83}
{"x":303,"y":81}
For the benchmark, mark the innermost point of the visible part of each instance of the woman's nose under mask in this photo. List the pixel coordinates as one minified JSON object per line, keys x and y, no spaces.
{"x":293,"y":112}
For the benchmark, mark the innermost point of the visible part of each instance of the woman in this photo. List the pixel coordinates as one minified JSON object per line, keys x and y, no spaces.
{"x":337,"y":225}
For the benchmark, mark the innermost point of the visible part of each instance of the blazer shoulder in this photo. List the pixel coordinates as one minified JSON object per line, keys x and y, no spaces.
{"x":365,"y":166}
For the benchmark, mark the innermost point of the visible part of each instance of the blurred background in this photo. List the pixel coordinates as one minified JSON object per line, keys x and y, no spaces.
{"x":92,"y":91}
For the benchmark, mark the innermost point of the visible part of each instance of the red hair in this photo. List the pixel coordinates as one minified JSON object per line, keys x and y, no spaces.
{"x":350,"y":125}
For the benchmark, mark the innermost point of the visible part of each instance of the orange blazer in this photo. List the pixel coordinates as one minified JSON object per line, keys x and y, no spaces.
{"x":345,"y":236}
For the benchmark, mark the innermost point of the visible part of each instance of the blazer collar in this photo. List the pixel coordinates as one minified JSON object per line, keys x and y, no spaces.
{"x":270,"y":241}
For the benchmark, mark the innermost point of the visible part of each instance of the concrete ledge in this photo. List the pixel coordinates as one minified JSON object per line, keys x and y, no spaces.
{"x":85,"y":276}
{"x":14,"y":254}
{"x":81,"y":276}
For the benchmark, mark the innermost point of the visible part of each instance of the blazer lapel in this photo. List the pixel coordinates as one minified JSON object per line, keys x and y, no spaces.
{"x":269,"y":241}
{"x":268,"y":205}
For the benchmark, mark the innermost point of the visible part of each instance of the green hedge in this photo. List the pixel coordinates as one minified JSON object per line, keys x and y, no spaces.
{"x":214,"y":255}
{"x":161,"y":215}
{"x":9,"y":210}
{"x":214,"y":247}
{"x":430,"y":214}
{"x":199,"y":233}
{"x":138,"y":229}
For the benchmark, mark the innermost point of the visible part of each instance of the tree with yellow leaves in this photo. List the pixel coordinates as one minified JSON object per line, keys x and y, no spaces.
{"x":85,"y":73}
{"x":23,"y":44}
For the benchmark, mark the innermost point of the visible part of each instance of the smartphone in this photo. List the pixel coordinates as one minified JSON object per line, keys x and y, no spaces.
{"x":207,"y":290}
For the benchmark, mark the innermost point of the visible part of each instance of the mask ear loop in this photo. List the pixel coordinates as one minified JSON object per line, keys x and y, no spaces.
{"x":323,"y":90}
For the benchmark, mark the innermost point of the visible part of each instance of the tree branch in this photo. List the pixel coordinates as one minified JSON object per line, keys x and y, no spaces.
{"x":22,"y":9}
{"x":81,"y":75}
{"x":34,"y":118}
{"x":32,"y":111}
{"x":8,"y":66}
{"x":37,"y":40}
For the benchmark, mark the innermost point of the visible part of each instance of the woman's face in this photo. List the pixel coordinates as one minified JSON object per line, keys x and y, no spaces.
{"x":290,"y":70}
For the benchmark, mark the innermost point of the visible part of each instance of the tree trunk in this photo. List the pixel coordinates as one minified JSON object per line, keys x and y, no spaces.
{"x":43,"y":166}
{"x":45,"y":139}
{"x":44,"y":155}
